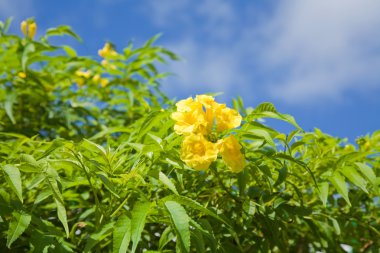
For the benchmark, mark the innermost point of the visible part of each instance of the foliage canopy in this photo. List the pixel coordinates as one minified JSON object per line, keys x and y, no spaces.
{"x":90,"y":162}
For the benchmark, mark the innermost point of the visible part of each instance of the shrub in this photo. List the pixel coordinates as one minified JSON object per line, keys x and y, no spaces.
{"x":95,"y":158}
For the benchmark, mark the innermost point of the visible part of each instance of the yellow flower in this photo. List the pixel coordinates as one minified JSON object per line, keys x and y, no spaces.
{"x":32,"y":30}
{"x":96,"y":78}
{"x":197,"y":152}
{"x":107,"y":51}
{"x":85,"y":74}
{"x":226,"y":118}
{"x":209,"y":106}
{"x":231,"y":155}
{"x":104,"y":82}
{"x":24,"y":26}
{"x":190,"y":118}
{"x":21,"y":75}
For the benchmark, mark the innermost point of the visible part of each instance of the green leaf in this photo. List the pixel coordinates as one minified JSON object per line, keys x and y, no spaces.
{"x":57,"y":143}
{"x":282,"y":173}
{"x":167,"y":182}
{"x":29,"y":49}
{"x":264,"y":135}
{"x":61,"y":210}
{"x":367,"y":172}
{"x":194,"y":205}
{"x":8,"y":105}
{"x":274,"y":115}
{"x":70,"y":51}
{"x":351,"y":173}
{"x":17,"y":226}
{"x":103,"y":176}
{"x":335,"y":225}
{"x":122,"y":234}
{"x":13,"y":178}
{"x":139,"y":213}
{"x":97,"y":237}
{"x":62,"y":30}
{"x":340,"y":185}
{"x":265,"y":107}
{"x":180,"y":220}
{"x":323,"y":192}
{"x":165,"y":237}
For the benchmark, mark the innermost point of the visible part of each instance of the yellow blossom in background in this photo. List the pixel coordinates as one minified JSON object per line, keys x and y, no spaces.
{"x":83,"y":75}
{"x":231,"y":154}
{"x":86,"y":74}
{"x":21,"y":75}
{"x":96,"y":78}
{"x":197,"y":152}
{"x":226,"y":118}
{"x":104,"y":82}
{"x":32,"y":30}
{"x":107,"y":51}
{"x":24,"y":26}
{"x":28,"y":28}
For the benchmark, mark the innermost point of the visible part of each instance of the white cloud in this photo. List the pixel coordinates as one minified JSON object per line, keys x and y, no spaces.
{"x":300,"y":51}
{"x":326,"y":48}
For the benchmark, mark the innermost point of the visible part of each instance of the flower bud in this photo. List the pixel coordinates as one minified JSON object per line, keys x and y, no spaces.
{"x":24,"y":26}
{"x":32,"y":30}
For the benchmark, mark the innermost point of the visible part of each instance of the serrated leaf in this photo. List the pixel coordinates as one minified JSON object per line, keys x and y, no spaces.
{"x":122,"y":234}
{"x":61,"y":210}
{"x":13,"y":178}
{"x":8,"y":106}
{"x":97,"y":237}
{"x":165,"y":237}
{"x":367,"y":172}
{"x":139,"y":213}
{"x":167,"y":182}
{"x":340,"y":185}
{"x":29,"y":48}
{"x":62,"y":30}
{"x":274,"y":115}
{"x":265,"y":107}
{"x":335,"y":225}
{"x":180,"y":221}
{"x":323,"y":192}
{"x":351,"y":173}
{"x":17,"y":226}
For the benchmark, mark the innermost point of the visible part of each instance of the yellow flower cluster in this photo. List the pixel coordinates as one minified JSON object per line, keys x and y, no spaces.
{"x":107,"y":51}
{"x":29,"y":28}
{"x":198,"y":119}
{"x":83,"y":76}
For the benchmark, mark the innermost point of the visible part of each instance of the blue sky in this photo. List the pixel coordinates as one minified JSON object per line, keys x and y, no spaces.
{"x":316,"y":60}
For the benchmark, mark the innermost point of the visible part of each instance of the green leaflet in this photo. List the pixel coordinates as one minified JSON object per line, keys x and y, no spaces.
{"x":139,"y":213}
{"x":61,"y":210}
{"x":13,"y":177}
{"x":340,"y":185}
{"x":95,"y":238}
{"x":166,"y":181}
{"x":122,"y":234}
{"x":351,"y":173}
{"x":17,"y":226}
{"x":180,"y":221}
{"x":323,"y":192}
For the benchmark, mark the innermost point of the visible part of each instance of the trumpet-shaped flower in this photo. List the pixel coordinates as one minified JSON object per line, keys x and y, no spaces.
{"x":226,"y":118}
{"x":231,"y":154}
{"x":190,"y":118}
{"x":197,"y":152}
